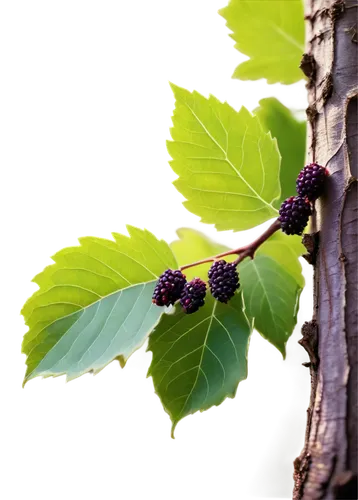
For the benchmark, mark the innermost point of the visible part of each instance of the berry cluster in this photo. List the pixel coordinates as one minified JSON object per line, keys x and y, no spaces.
{"x":172,"y":286}
{"x":168,"y":288}
{"x":294,"y":214}
{"x":310,"y":181}
{"x":193,"y":295}
{"x":295,"y":211}
{"x":223,"y":280}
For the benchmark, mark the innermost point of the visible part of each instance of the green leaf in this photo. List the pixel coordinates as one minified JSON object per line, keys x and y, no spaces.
{"x":199,"y":359}
{"x":285,"y":250}
{"x":271,"y":296}
{"x":87,"y":340}
{"x":291,"y":137}
{"x":94,"y":304}
{"x":228,"y":167}
{"x":271,"y":33}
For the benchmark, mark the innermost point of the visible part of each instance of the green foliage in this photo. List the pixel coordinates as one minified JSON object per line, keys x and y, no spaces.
{"x":113,"y":327}
{"x":271,"y":296}
{"x":211,"y":327}
{"x":275,"y":266}
{"x":285,"y":250}
{"x":94,"y":304}
{"x":291,"y":137}
{"x":271,"y":33}
{"x":228,"y":167}
{"x":233,"y":168}
{"x":199,"y":359}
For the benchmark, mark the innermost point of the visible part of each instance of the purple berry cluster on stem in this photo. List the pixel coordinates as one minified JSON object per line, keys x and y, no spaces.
{"x":169,"y":288}
{"x":223,"y":280}
{"x":223,"y":276}
{"x":193,"y":295}
{"x":172,"y":286}
{"x":310,"y":181}
{"x":294,"y":214}
{"x":296,"y":210}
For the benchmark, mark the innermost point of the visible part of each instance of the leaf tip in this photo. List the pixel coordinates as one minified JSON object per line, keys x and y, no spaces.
{"x":170,"y":81}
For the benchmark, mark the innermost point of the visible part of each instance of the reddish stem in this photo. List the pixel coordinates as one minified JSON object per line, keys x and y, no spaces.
{"x":243,"y":252}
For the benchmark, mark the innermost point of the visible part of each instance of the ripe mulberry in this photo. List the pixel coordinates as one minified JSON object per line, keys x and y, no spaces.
{"x":310,"y":181}
{"x":294,"y":214}
{"x":223,"y":280}
{"x":192,"y":297}
{"x":168,"y":288}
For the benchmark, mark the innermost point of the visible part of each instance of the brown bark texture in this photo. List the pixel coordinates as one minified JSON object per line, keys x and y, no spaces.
{"x":327,"y":466}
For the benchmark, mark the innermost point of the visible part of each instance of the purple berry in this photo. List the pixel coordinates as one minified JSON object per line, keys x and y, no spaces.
{"x":310,"y":181}
{"x":223,"y":280}
{"x":168,"y":288}
{"x":193,"y":295}
{"x":294,"y":214}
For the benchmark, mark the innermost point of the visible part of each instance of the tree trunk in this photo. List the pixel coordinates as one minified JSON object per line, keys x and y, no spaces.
{"x":327,"y":466}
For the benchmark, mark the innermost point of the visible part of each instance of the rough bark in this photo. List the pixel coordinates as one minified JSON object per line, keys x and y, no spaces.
{"x":327,"y":466}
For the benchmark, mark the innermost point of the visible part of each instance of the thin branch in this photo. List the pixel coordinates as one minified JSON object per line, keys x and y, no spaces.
{"x":243,"y":252}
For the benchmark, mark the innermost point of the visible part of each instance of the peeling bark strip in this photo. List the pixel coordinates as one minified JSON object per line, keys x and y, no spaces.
{"x":327,"y":466}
